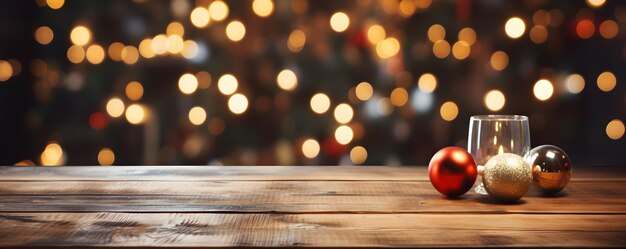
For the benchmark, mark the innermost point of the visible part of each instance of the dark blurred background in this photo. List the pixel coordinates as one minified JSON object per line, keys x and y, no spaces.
{"x":273,"y":82}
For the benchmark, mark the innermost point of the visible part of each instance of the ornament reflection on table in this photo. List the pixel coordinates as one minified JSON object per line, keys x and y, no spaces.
{"x":491,"y":135}
{"x":452,"y":171}
{"x":551,"y":168}
{"x":507,"y":177}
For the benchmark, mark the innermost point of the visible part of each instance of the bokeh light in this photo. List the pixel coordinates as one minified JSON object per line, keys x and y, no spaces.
{"x":575,"y":83}
{"x":106,"y":157}
{"x":263,"y":8}
{"x":135,"y":114}
{"x":287,"y":80}
{"x":227,"y":84}
{"x":441,"y":49}
{"x":235,"y":31}
{"x":134,"y":90}
{"x":449,"y":111}
{"x":218,"y":10}
{"x":188,"y":83}
{"x":296,"y":40}
{"x":364,"y":91}
{"x":115,"y":107}
{"x":595,"y":3}
{"x":494,"y":100}
{"x":538,"y":34}
{"x":197,"y":115}
{"x":339,"y":22}
{"x":427,"y":83}
{"x":130,"y":55}
{"x":76,"y":54}
{"x":499,"y":60}
{"x":388,"y":47}
{"x":6,"y":70}
{"x":467,"y":35}
{"x":376,"y":33}
{"x":55,"y":4}
{"x":320,"y":103}
{"x":238,"y":103}
{"x":515,"y":27}
{"x":436,"y":33}
{"x":344,"y":134}
{"x":615,"y":129}
{"x":80,"y":35}
{"x":609,"y":29}
{"x":52,"y":155}
{"x":310,"y":148}
{"x":343,"y":113}
{"x":399,"y":97}
{"x":200,"y":17}
{"x":358,"y":155}
{"x":606,"y":81}
{"x":44,"y":35}
{"x":95,"y":54}
{"x":461,"y":50}
{"x":543,"y":89}
{"x":585,"y":29}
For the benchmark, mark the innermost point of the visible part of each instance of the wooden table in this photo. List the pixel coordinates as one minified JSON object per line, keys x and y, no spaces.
{"x":205,"y":206}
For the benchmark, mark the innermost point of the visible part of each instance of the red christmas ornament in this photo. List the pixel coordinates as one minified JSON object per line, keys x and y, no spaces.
{"x":452,"y":171}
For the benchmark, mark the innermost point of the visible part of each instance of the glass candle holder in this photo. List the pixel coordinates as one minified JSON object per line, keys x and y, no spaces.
{"x":491,"y":135}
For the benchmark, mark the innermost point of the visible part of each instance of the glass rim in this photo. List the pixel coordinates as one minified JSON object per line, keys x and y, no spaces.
{"x":499,"y":118}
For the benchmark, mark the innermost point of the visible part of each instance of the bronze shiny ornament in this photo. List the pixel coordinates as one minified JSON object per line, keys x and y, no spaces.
{"x":551,"y":167}
{"x":507,"y":177}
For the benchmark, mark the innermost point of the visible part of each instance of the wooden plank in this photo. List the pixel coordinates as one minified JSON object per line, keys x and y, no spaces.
{"x":312,"y":230}
{"x":254,"y":173}
{"x":293,"y":197}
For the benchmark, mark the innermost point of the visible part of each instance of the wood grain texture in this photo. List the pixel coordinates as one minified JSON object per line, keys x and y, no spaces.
{"x":293,"y":197}
{"x":255,"y":173}
{"x":317,"y":230}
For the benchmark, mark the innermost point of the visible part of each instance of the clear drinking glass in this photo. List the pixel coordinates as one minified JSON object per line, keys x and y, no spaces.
{"x":490,"y":135}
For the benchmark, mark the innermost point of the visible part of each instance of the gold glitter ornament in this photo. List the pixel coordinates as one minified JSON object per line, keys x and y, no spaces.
{"x":507,"y":177}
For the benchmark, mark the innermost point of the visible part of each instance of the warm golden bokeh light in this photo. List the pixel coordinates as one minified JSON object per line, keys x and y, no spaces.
{"x":543,"y":89}
{"x":175,"y":44}
{"x":6,"y":70}
{"x":287,"y":80}
{"x":52,"y":155}
{"x":134,"y":90}
{"x":515,"y":27}
{"x":343,"y":113}
{"x":115,"y":107}
{"x":388,"y":47}
{"x":344,"y":134}
{"x":399,"y":97}
{"x":204,"y":79}
{"x":197,"y":115}
{"x":188,"y":83}
{"x":441,"y":49}
{"x":145,"y":48}
{"x":106,"y":157}
{"x":606,"y":81}
{"x":159,"y":44}
{"x":218,"y":10}
{"x":199,"y":17}
{"x":461,"y":50}
{"x":227,"y":84}
{"x":55,"y":4}
{"x":449,"y":111}
{"x":575,"y":83}
{"x":494,"y":100}
{"x":175,"y":28}
{"x":115,"y":51}
{"x":376,"y":33}
{"x":436,"y":33}
{"x":499,"y":60}
{"x":364,"y":91}
{"x":538,"y":34}
{"x":135,"y":114}
{"x":80,"y":35}
{"x":615,"y":129}
{"x":263,"y":8}
{"x":130,"y":55}
{"x":427,"y":83}
{"x":339,"y":22}
{"x":75,"y":54}
{"x":190,"y":49}
{"x":595,"y":3}
{"x":609,"y":29}
{"x":238,"y":103}
{"x":358,"y":154}
{"x":310,"y":148}
{"x":44,"y":35}
{"x":235,"y":31}
{"x":95,"y":54}
{"x":467,"y":35}
{"x":320,"y":103}
{"x":296,"y":40}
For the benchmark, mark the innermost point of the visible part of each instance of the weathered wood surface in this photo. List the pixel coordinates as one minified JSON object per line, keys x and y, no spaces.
{"x":316,"y":230}
{"x":255,"y":173}
{"x":292,"y":197}
{"x":295,"y":206}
